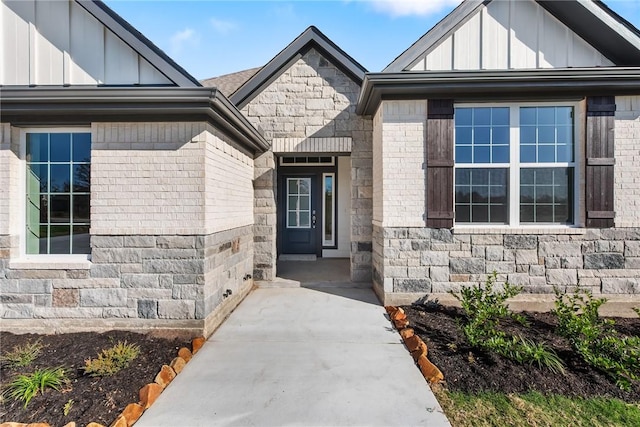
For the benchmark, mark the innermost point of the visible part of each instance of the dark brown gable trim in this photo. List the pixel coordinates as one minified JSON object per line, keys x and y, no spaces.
{"x":440,"y":163}
{"x":600,"y":161}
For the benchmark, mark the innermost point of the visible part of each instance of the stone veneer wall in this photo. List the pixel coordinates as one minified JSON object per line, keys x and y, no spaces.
{"x":423,"y":260}
{"x":313,"y":98}
{"x":135,"y":277}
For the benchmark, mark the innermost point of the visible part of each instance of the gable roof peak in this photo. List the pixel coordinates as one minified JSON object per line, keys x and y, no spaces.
{"x":310,"y":38}
{"x":607,"y":32}
{"x":139,"y":43}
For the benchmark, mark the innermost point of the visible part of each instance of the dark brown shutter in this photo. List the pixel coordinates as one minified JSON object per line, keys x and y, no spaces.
{"x":440,"y":163}
{"x":600,"y":161}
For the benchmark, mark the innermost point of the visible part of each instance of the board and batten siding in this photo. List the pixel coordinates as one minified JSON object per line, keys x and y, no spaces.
{"x":510,"y":35}
{"x":47,"y":42}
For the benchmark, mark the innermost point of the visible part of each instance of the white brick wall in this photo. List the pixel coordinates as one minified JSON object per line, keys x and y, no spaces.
{"x":229,"y":184}
{"x":403,"y":158}
{"x":147,"y":178}
{"x":627,"y":168}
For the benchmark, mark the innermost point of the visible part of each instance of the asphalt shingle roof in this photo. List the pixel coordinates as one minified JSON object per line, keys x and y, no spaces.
{"x":229,"y":83}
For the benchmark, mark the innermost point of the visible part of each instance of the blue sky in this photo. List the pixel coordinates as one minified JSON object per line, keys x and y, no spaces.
{"x":210,"y":38}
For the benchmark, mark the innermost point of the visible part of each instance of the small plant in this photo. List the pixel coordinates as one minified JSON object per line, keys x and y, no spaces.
{"x":112,"y":360}
{"x":26,"y":387}
{"x":484,"y":308}
{"x":22,"y":355}
{"x":637,"y":310}
{"x":67,"y":407}
{"x":595,"y":339}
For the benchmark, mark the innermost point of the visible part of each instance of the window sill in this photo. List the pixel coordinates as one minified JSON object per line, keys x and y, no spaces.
{"x":51,"y":262}
{"x":488,"y":229}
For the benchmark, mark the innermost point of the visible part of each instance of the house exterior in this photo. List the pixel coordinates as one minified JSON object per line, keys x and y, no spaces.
{"x":133,"y":196}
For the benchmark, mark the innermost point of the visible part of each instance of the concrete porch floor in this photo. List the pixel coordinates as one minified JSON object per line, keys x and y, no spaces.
{"x":323,"y":272}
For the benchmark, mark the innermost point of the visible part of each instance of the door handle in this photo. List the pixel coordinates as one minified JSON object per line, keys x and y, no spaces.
{"x":313,"y":221}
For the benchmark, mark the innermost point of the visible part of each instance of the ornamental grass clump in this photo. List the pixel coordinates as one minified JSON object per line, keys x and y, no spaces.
{"x":112,"y":360}
{"x":484,"y":308}
{"x":26,"y":387}
{"x":22,"y":355}
{"x":595,"y":339}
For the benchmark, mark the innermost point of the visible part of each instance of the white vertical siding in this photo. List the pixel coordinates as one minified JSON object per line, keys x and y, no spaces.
{"x":467,"y":46}
{"x":47,"y":42}
{"x":510,"y":35}
{"x":495,"y":36}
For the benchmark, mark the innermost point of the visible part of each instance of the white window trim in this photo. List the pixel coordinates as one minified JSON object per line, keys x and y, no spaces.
{"x":330,"y":242}
{"x":514,"y":165}
{"x":35,"y":261}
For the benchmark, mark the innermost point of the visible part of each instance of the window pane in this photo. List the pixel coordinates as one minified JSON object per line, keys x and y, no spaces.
{"x":551,"y":130}
{"x":81,"y":147}
{"x":482,"y":135}
{"x":328,"y":209}
{"x":60,"y":147}
{"x":484,"y":199}
{"x":463,"y":176}
{"x":43,"y":240}
{"x":528,"y":153}
{"x":37,"y":147}
{"x":500,"y":155}
{"x":527,"y":135}
{"x":304,"y":203}
{"x":481,"y":154}
{"x":528,"y":116}
{"x":548,"y":195}
{"x":37,"y":178}
{"x":60,"y":178}
{"x":304,"y":219}
{"x":464,"y":135}
{"x":463,"y":154}
{"x":546,"y":115}
{"x":293,"y":219}
{"x":82,"y":178}
{"x":303,"y":186}
{"x":463,"y":116}
{"x":293,"y":203}
{"x":58,"y":205}
{"x":293,"y":186}
{"x":480,"y":213}
{"x":81,"y":209}
{"x":463,"y":213}
{"x":60,"y":209}
{"x":500,"y":135}
{"x":60,"y":239}
{"x":81,"y":239}
{"x":478,"y":130}
{"x":500,"y":116}
{"x":481,"y":116}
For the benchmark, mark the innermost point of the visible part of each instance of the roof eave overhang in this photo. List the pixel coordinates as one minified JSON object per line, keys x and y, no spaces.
{"x":496,"y":85}
{"x":22,"y":106}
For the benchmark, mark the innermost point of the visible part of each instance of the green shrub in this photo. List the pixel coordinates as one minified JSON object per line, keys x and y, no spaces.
{"x":112,"y":360}
{"x":26,"y":387}
{"x":22,"y":355}
{"x":484,"y":307}
{"x":595,"y":339}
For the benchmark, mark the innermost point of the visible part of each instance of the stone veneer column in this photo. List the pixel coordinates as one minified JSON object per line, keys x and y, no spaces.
{"x":265,"y":217}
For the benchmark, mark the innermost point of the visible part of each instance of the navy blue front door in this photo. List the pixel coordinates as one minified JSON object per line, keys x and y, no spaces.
{"x":300,"y":216}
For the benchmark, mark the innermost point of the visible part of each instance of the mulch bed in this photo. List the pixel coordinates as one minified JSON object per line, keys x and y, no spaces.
{"x":471,"y":370}
{"x":95,"y":399}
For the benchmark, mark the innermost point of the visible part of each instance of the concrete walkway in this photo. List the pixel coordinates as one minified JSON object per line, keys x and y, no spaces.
{"x":320,"y":356}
